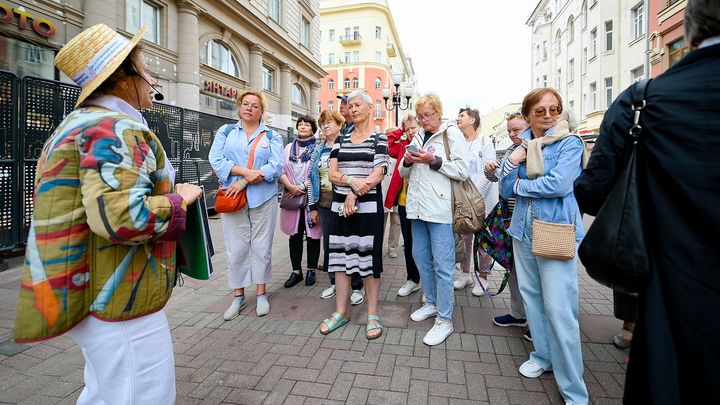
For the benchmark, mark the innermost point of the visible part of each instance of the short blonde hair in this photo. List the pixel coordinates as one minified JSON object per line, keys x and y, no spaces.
{"x":407,"y":119}
{"x":432,"y":99}
{"x":256,"y":93}
{"x":331,"y":115}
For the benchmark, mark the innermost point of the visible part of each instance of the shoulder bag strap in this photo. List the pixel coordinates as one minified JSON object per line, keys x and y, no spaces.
{"x":638,"y":104}
{"x":251,"y":158}
{"x":445,"y":144}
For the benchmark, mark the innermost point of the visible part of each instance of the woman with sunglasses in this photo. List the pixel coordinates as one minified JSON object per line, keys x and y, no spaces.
{"x":540,"y":176}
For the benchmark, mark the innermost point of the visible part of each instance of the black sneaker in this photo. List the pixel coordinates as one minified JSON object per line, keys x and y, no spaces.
{"x":509,"y":320}
{"x":294,"y":279}
{"x":310,"y":280}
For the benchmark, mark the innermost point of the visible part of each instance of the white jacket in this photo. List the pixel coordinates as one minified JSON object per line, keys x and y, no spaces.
{"x":429,"y":195}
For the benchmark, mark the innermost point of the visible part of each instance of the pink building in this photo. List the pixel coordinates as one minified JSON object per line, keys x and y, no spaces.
{"x":667,"y":34}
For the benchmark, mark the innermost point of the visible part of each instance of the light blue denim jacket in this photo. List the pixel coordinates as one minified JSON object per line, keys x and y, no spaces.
{"x":234,"y":150}
{"x":315,"y":175}
{"x":552,"y":193}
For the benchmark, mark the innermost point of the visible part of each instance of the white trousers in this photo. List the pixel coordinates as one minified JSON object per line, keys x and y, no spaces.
{"x":128,"y":362}
{"x":248,"y":237}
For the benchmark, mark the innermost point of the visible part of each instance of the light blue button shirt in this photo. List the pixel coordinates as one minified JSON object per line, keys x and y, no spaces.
{"x":234,"y":150}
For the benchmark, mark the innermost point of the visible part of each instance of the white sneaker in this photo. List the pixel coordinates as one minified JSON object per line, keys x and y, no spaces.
{"x":425,"y":312}
{"x":328,"y":292}
{"x":234,"y":310}
{"x":439,"y":332}
{"x":263,"y":307}
{"x":408,"y":288}
{"x":357,"y":297}
{"x":463,"y":281}
{"x":480,"y":288}
{"x":530,"y":369}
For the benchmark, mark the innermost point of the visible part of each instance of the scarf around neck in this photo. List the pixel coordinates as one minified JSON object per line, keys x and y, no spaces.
{"x":308,"y":144}
{"x":534,"y":162}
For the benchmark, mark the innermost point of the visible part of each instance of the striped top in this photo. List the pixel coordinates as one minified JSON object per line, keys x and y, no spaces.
{"x":359,"y":160}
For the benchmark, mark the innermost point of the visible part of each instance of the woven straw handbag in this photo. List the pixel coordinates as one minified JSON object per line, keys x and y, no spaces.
{"x":551,"y":240}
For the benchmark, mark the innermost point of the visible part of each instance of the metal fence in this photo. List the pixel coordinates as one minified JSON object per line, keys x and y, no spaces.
{"x":30,"y":110}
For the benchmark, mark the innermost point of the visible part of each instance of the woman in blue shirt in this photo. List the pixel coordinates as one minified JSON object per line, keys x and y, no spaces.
{"x":249,"y":232}
{"x":542,"y":184}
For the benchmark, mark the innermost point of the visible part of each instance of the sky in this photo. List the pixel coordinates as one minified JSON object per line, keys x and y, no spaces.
{"x":469,"y":52}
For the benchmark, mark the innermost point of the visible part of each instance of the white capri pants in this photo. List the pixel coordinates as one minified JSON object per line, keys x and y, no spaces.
{"x":248,"y":235}
{"x":127,"y":362}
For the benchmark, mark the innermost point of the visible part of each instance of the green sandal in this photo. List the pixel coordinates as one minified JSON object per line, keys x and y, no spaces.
{"x":373,"y":326}
{"x":335,"y":321}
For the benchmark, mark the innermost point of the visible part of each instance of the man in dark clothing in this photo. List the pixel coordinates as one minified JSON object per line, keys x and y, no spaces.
{"x":675,"y":353}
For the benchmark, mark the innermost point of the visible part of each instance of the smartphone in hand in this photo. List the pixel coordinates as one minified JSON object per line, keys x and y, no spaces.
{"x":412,"y":148}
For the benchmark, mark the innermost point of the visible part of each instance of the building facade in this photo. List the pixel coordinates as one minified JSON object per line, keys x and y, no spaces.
{"x":667,"y":34}
{"x":203,"y":53}
{"x":361,"y":49}
{"x":494,"y":125}
{"x":590,"y":51}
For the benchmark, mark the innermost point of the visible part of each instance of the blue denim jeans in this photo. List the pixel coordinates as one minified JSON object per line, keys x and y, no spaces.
{"x":434,"y":252}
{"x":550,"y":291}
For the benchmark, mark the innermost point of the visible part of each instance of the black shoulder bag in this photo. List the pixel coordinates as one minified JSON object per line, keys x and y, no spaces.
{"x":613,"y":250}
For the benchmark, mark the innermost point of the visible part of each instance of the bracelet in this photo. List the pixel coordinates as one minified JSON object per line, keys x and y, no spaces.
{"x":350,"y":179}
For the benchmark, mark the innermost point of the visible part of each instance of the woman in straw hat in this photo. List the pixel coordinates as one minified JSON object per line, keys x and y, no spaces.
{"x":100,"y":260}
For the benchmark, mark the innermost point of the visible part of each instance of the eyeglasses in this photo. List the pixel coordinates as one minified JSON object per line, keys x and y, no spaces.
{"x":422,"y":117}
{"x":250,"y":106}
{"x":542,"y":111}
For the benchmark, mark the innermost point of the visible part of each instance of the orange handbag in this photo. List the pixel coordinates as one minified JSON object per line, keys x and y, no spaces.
{"x":225,"y":204}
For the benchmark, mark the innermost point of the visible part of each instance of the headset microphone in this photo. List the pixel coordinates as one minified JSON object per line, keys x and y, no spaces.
{"x":158,"y":96}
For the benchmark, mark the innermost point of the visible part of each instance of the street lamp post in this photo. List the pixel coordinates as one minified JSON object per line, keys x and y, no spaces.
{"x":397,"y":97}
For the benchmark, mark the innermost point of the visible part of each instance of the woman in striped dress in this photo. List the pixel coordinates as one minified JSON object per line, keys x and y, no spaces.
{"x":357,"y":166}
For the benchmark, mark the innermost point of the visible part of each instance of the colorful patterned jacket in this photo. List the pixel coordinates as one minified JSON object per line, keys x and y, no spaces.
{"x":102,"y":238}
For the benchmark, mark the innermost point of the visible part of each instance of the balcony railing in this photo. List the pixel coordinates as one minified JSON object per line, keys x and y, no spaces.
{"x":352,"y":39}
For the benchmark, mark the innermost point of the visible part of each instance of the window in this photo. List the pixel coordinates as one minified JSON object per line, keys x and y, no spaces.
{"x":638,"y":16}
{"x":608,"y":91}
{"x":558,"y":42}
{"x":319,"y":110}
{"x":347,"y":83}
{"x":268,"y":78}
{"x":677,"y":49}
{"x":275,"y":6}
{"x":608,"y":35}
{"x":378,"y":128}
{"x":298,"y":95}
{"x":593,"y":96}
{"x":585,"y":59}
{"x":545,"y":81}
{"x":347,"y":32}
{"x":331,"y":84}
{"x":356,"y":32}
{"x":378,"y":57}
{"x":544,"y":50}
{"x":347,"y":57}
{"x":331,"y":58}
{"x":218,"y":56}
{"x":305,"y":33}
{"x":356,"y":56}
{"x":558,"y":81}
{"x":378,"y":32}
{"x":331,"y":105}
{"x":378,"y":83}
{"x":637,"y":74}
{"x":593,"y":43}
{"x":571,"y":29}
{"x":571,"y":70}
{"x":584,"y":14}
{"x":140,"y":13}
{"x":378,"y":109}
{"x":355,"y":83}
{"x":331,"y":35}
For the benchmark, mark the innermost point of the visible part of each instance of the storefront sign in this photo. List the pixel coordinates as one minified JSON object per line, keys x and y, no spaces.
{"x":41,"y":26}
{"x":212,"y":86}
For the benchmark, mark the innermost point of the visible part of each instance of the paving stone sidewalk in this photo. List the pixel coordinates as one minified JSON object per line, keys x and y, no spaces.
{"x":283,"y":359}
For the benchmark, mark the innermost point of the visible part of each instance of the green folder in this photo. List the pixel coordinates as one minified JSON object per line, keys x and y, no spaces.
{"x":195,"y":247}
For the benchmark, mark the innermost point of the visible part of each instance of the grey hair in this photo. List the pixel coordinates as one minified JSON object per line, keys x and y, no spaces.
{"x":702,"y":21}
{"x":569,"y":116}
{"x":359,"y":93}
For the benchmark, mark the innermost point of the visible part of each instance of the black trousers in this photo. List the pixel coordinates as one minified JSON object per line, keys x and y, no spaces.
{"x":296,"y":247}
{"x":325,"y":217}
{"x":406,"y":229}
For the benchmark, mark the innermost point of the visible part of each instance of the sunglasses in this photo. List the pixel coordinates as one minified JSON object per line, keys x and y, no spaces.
{"x":554,"y":111}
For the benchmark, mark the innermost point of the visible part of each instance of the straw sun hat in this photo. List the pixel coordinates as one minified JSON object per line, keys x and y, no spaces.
{"x":93,"y":55}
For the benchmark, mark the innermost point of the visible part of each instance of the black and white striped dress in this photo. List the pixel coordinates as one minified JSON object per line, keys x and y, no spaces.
{"x":356,"y":241}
